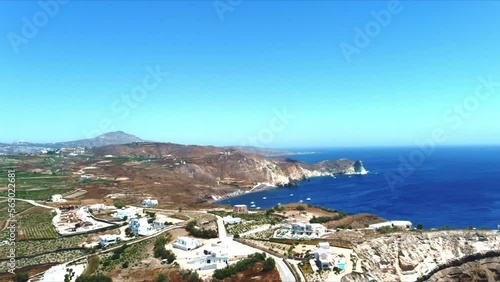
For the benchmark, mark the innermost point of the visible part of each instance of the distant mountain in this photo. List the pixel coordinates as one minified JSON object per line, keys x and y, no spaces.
{"x":110,"y":138}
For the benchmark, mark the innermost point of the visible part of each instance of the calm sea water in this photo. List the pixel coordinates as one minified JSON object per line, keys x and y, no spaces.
{"x":454,"y":186}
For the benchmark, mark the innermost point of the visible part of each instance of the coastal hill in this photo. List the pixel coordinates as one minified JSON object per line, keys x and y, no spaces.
{"x":189,"y":173}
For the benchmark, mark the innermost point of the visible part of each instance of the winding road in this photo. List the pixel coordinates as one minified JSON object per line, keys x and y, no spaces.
{"x":285,"y":273}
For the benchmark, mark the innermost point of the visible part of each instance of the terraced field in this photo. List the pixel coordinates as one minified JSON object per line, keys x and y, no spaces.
{"x":4,"y":208}
{"x":36,"y":225}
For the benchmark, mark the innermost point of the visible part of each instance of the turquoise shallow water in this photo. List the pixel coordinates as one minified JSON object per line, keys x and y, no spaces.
{"x":454,"y":186}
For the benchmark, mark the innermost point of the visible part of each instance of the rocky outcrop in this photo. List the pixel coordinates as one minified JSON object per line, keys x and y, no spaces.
{"x":408,"y":256}
{"x":483,"y":270}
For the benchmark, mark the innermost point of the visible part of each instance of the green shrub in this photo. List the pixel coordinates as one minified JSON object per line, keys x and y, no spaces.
{"x":94,"y":278}
{"x":269,"y":265}
{"x":240,"y":266}
{"x":200,"y":233}
{"x":21,"y":277}
{"x":162,"y":278}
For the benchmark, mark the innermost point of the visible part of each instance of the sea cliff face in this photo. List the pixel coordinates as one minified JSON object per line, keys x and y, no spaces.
{"x":200,"y":173}
{"x":409,"y":256}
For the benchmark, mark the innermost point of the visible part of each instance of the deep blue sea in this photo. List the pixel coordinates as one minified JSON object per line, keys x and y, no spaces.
{"x":453,"y":186}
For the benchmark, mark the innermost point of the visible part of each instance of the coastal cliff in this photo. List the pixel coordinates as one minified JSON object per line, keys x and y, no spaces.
{"x":195,"y":174}
{"x":410,"y":256}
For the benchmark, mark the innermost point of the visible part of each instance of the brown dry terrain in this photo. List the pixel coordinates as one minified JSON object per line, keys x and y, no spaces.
{"x":357,"y":221}
{"x":174,"y":174}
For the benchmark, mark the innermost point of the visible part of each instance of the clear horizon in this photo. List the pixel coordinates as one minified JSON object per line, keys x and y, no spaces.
{"x":266,"y":74}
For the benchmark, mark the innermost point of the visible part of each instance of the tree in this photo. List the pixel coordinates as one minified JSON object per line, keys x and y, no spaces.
{"x":420,"y":226}
{"x":269,"y":211}
{"x":21,"y":277}
{"x":300,"y":208}
{"x":162,"y":278}
{"x":269,"y":264}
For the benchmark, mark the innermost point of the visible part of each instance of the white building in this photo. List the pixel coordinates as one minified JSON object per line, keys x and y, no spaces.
{"x":159,"y":224}
{"x":395,"y":223}
{"x":149,"y":203}
{"x":97,"y":207}
{"x":187,"y":243}
{"x":57,"y":198}
{"x":312,"y":230}
{"x":211,"y":259}
{"x":231,"y":220}
{"x":130,"y":212}
{"x":324,"y":258}
{"x":141,"y":226}
{"x":106,"y":240}
{"x":87,"y":176}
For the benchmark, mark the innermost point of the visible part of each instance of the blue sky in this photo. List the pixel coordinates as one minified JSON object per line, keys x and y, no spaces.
{"x":229,"y":76}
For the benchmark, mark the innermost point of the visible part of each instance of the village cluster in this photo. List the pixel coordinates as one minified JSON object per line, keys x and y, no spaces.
{"x":207,"y":255}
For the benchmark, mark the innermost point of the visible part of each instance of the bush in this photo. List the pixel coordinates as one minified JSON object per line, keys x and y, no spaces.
{"x":269,"y":265}
{"x":162,"y":278}
{"x":269,"y":211}
{"x":190,"y":276}
{"x":240,"y":266}
{"x":21,"y":277}
{"x":125,"y":264}
{"x":420,"y":226}
{"x":300,"y":208}
{"x":94,"y":278}
{"x":200,"y":233}
{"x":160,"y":252}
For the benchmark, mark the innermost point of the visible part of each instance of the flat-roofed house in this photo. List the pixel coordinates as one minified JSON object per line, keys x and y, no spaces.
{"x":187,"y":243}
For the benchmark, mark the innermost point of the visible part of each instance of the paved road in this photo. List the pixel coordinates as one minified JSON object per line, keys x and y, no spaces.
{"x":285,"y":273}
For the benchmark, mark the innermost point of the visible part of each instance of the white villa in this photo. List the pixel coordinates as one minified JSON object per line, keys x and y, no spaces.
{"x":140,"y":226}
{"x":301,"y":230}
{"x":395,"y":223}
{"x":231,"y":220}
{"x":187,"y":243}
{"x":57,"y":198}
{"x":106,"y":240}
{"x":325,"y":259}
{"x":216,"y":258}
{"x":130,"y":212}
{"x":149,"y":203}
